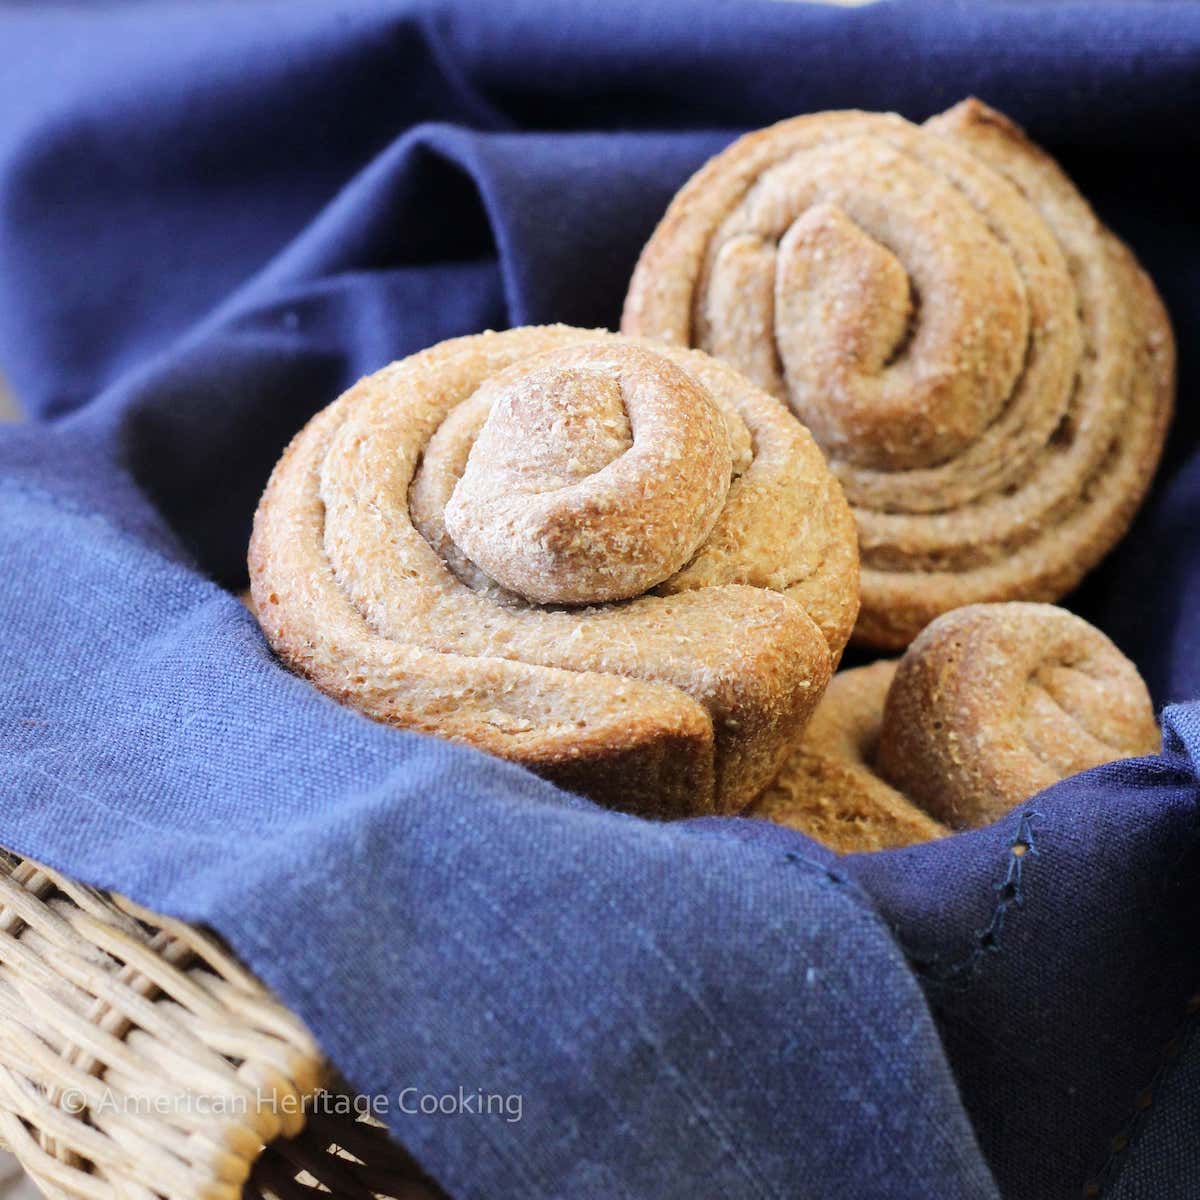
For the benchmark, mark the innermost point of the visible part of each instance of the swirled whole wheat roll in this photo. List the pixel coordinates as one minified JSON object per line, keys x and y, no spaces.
{"x":623,"y":566}
{"x":989,"y":705}
{"x":986,"y":366}
{"x":994,"y":702}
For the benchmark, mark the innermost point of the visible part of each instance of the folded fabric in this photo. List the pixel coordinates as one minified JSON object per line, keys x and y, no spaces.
{"x":212,"y":219}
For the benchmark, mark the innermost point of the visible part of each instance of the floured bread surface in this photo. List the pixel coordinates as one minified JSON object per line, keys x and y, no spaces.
{"x":987,"y":367}
{"x":622,"y":565}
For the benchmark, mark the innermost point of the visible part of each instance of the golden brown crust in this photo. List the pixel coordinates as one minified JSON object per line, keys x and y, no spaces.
{"x":989,"y":705}
{"x":987,"y":367}
{"x":829,"y":788}
{"x":579,"y":467}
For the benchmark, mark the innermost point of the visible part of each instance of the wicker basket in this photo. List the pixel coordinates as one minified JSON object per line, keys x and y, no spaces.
{"x":139,"y":1060}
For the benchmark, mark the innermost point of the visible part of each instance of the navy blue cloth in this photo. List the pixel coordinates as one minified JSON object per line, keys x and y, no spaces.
{"x":215,"y":216}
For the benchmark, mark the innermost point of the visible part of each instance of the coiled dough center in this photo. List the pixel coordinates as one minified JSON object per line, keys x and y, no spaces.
{"x":595,"y":476}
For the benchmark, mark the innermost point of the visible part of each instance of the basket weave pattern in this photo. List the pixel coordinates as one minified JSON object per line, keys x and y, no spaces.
{"x":139,"y":1060}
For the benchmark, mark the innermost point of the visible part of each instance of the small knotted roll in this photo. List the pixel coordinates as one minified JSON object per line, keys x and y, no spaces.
{"x":987,"y":368}
{"x":623,"y":566}
{"x":991,"y":704}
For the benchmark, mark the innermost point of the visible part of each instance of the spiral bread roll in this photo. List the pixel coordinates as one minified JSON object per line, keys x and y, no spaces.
{"x":623,"y":566}
{"x":994,"y":702}
{"x":989,"y":705}
{"x":987,"y":368}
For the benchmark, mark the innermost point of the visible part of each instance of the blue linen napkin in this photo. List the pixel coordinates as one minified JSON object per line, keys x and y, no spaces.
{"x":215,"y":216}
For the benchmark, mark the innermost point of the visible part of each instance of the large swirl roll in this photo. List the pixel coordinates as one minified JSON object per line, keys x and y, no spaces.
{"x":989,"y":705}
{"x":987,"y":368}
{"x":623,"y":566}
